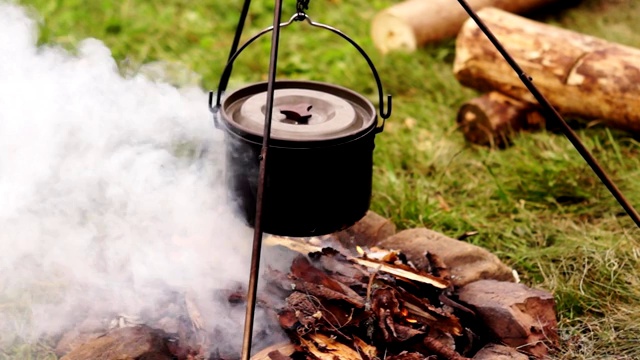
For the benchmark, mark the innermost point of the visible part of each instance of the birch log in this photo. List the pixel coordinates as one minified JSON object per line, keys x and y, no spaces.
{"x":413,"y":23}
{"x":492,"y":119}
{"x":580,"y":75}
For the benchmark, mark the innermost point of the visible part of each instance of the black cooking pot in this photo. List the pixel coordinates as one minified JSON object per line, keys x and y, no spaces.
{"x":320,"y":154}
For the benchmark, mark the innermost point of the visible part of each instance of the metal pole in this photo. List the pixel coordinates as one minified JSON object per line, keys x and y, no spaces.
{"x":553,"y":114}
{"x":257,"y":231}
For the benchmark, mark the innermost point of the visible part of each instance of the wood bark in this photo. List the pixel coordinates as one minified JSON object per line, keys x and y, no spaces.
{"x":125,"y":343}
{"x":493,"y":118}
{"x":514,"y":315}
{"x":442,"y":350}
{"x":580,"y":75}
{"x":413,"y":23}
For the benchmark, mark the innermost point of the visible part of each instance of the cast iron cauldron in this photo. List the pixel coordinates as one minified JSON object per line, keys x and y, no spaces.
{"x":320,"y":154}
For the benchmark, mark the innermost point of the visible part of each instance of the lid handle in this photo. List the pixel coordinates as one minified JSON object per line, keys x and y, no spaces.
{"x":297,"y":112}
{"x":384,"y":111}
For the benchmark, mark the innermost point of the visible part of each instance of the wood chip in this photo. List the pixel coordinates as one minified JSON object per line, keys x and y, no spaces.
{"x":326,"y":348}
{"x":367,"y":351}
{"x":398,"y":271}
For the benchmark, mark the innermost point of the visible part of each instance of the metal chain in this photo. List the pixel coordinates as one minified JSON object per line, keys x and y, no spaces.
{"x":302,"y":5}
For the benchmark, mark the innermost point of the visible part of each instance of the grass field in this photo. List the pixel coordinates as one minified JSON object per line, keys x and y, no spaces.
{"x":537,"y":205}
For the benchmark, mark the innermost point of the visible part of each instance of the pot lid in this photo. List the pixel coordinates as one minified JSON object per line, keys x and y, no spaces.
{"x":302,"y":111}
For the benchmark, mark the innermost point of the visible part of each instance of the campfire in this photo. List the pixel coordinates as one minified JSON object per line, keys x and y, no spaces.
{"x":361,"y":294}
{"x":342,"y":299}
{"x":371,"y":306}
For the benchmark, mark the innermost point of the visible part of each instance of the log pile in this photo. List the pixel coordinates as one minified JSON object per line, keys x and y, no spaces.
{"x":580,"y":75}
{"x":413,"y":23}
{"x":346,"y":307}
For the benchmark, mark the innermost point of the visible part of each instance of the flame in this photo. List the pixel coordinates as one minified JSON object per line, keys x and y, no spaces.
{"x":359,"y":250}
{"x":405,"y":313}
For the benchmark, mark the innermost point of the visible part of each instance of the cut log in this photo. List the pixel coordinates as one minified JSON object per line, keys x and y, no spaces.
{"x":277,"y":355}
{"x":499,"y":352}
{"x":441,"y":350}
{"x":125,"y":343}
{"x":284,"y":348}
{"x":73,"y":339}
{"x":413,"y":23}
{"x":514,"y":314}
{"x":580,"y":75}
{"x":492,"y":119}
{"x":406,"y":356}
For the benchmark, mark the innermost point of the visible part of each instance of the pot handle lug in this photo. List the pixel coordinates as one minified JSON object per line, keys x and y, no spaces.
{"x":215,"y":110}
{"x":384,"y":109}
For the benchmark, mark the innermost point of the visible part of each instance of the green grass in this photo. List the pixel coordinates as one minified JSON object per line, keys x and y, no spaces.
{"x":537,"y":204}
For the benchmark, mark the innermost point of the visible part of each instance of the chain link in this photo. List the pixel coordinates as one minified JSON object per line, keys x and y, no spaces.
{"x":302,"y":5}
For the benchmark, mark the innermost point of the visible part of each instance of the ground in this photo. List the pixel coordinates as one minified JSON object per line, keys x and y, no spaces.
{"x":537,"y":205}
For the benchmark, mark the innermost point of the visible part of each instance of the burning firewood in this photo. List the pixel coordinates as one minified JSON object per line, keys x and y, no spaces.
{"x":194,"y":313}
{"x":324,"y":347}
{"x":366,"y":350}
{"x":401,"y":271}
{"x":431,"y":315}
{"x":303,"y":270}
{"x":404,"y":272}
{"x":342,"y":306}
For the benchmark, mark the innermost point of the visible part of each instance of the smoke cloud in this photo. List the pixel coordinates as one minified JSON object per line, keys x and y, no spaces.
{"x":111,"y":191}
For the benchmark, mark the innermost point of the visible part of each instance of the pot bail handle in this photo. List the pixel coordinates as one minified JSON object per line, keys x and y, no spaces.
{"x":384,"y":111}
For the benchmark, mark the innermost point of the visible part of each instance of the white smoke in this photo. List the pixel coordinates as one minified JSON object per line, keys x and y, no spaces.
{"x":111,"y":190}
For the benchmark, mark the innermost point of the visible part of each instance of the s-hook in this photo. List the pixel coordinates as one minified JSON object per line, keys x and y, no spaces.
{"x":302,"y":6}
